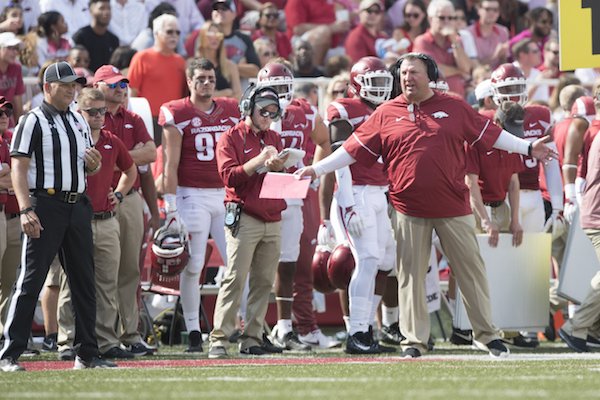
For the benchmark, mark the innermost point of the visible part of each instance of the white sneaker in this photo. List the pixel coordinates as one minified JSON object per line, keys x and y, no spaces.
{"x":316,"y":338}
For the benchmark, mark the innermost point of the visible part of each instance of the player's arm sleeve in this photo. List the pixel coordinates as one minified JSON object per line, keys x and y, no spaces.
{"x":508,"y":142}
{"x":338,"y":159}
{"x":344,"y":195}
{"x":554,"y":181}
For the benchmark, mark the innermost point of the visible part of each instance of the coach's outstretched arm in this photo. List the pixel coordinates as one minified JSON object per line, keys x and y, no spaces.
{"x":537,"y":149}
{"x":338,"y":159}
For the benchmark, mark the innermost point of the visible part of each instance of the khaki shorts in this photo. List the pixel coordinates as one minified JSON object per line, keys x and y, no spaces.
{"x":53,"y":277}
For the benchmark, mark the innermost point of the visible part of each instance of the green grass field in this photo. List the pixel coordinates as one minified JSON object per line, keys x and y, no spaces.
{"x":550,"y":372}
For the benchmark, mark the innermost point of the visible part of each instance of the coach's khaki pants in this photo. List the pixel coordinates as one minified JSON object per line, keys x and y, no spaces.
{"x":589,"y":312}
{"x":107,"y":252}
{"x":457,"y":236}
{"x":131,"y":224}
{"x":254,"y":251}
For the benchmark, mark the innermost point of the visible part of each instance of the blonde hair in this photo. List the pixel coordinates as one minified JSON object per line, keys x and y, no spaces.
{"x":202,"y":47}
{"x":89,"y":94}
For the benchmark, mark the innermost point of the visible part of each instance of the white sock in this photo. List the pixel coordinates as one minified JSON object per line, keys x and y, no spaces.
{"x":346,"y":322}
{"x":389,"y":315}
{"x":284,"y":326}
{"x":373,"y":312}
{"x":359,"y":315}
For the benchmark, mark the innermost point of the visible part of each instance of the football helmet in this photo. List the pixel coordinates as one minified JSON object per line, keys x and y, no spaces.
{"x":340,"y":266}
{"x":584,"y":107}
{"x":319,"y":270}
{"x":170,"y":252}
{"x":370,"y":80}
{"x":280,"y":78}
{"x":509,"y":83}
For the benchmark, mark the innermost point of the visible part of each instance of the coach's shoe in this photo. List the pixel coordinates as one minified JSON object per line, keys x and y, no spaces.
{"x":195,"y":342}
{"x":317,"y":338}
{"x":217,"y":352}
{"x":380,"y":348}
{"x":361,"y":343}
{"x":391,"y":334}
{"x":141,"y":349}
{"x":410,"y":352}
{"x":94,"y":362}
{"x":269,"y":346}
{"x":253,"y":351}
{"x":291,"y":342}
{"x":117,"y":353}
{"x":593,"y":341}
{"x":523,"y":341}
{"x":66,"y":355}
{"x":461,"y":337}
{"x":10,"y":365}
{"x":495,"y":348}
{"x":576,"y":344}
{"x":49,"y":343}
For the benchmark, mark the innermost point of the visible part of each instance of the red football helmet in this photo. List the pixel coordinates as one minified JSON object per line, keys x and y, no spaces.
{"x":170,"y":252}
{"x":280,"y":78}
{"x":370,"y":80}
{"x":340,"y":266}
{"x":319,"y":270}
{"x":509,"y":83}
{"x":584,"y":107}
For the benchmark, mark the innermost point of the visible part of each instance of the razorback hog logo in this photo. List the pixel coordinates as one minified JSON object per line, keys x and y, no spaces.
{"x":439,"y":115}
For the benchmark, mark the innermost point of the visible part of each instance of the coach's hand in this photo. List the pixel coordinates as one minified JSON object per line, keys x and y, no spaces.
{"x":306,"y":171}
{"x":542,"y":152}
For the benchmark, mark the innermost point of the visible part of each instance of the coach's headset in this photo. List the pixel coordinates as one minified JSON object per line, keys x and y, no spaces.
{"x":432,"y":70}
{"x":250,"y":95}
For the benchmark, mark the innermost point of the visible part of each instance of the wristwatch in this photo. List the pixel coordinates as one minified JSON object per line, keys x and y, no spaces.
{"x":119,"y":196}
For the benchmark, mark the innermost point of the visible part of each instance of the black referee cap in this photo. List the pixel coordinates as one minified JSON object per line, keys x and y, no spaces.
{"x":62,"y":72}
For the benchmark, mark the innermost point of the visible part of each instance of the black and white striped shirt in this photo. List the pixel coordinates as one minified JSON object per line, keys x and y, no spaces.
{"x":56,"y":142}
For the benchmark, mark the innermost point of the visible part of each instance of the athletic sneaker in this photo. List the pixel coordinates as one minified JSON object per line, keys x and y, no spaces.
{"x":141,"y":349}
{"x":10,"y":365}
{"x":49,"y":343}
{"x":290,"y":342}
{"x":461,"y":337}
{"x":253,"y":351}
{"x":391,"y":334}
{"x":361,"y":343}
{"x":217,"y":352}
{"x":495,"y":348}
{"x":523,"y":341}
{"x":576,"y":344}
{"x":66,"y":355}
{"x":593,"y":341}
{"x":117,"y":353}
{"x":411,"y":352}
{"x":379,"y":347}
{"x":269,"y":347}
{"x":195,"y":342}
{"x":94,"y":362}
{"x":316,"y":338}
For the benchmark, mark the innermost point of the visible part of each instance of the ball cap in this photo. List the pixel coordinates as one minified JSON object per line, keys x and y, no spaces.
{"x":9,"y":39}
{"x":366,"y":4}
{"x":5,"y":103}
{"x":266,"y":98}
{"x":109,"y":74}
{"x":229,"y":3}
{"x":62,"y":72}
{"x":484,"y":89}
{"x":510,"y":115}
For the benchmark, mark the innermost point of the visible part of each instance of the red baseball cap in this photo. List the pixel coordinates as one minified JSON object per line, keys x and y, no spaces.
{"x":109,"y":74}
{"x":5,"y":103}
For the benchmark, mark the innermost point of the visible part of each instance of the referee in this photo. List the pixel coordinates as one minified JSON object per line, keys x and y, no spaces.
{"x":52,"y":151}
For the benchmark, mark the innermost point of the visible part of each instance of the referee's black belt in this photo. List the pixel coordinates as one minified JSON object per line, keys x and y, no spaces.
{"x":65,"y":197}
{"x":104,"y":215}
{"x":494,"y":204}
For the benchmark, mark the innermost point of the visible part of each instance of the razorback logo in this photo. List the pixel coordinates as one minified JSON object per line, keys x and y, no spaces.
{"x":439,"y":115}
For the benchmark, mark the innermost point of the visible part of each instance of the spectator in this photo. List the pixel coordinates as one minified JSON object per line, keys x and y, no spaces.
{"x":209,"y":44}
{"x":121,"y":58}
{"x":554,"y":103}
{"x":303,"y":61}
{"x":485,"y":98}
{"x":315,"y":21}
{"x":75,"y":12}
{"x":469,"y":10}
{"x":337,"y":88}
{"x":415,"y":23}
{"x":238,"y":46}
{"x":30,"y":10}
{"x":540,"y":28}
{"x":11,"y":78}
{"x":442,"y":42}
{"x":11,"y":19}
{"x":308,"y":91}
{"x":587,"y":76}
{"x":96,"y":37}
{"x":268,"y":26}
{"x":361,"y":40}
{"x":336,"y":65}
{"x":512,"y":16}
{"x":266,"y":50}
{"x":145,"y":39}
{"x":466,"y":37}
{"x":551,"y":67}
{"x":490,"y":37}
{"x":527,"y":56}
{"x":128,"y":19}
{"x":158,"y":73}
{"x":188,"y":15}
{"x":79,"y":57}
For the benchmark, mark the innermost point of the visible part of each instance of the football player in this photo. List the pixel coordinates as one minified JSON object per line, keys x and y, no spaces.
{"x":359,"y":211}
{"x":194,"y":191}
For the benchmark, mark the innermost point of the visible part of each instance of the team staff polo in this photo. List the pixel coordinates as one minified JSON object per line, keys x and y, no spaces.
{"x":200,"y":133}
{"x":56,"y":142}
{"x":494,"y":168}
{"x":424,"y":152}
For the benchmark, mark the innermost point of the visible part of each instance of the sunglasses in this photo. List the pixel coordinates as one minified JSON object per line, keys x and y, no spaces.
{"x":373,"y":11}
{"x":338,"y":92}
{"x":266,"y":113}
{"x":221,"y":8}
{"x":94,"y":112}
{"x":412,"y":15}
{"x":490,"y":9}
{"x":121,"y":84}
{"x":445,"y":18}
{"x":6,"y":111}
{"x":271,"y":15}
{"x":173,"y":32}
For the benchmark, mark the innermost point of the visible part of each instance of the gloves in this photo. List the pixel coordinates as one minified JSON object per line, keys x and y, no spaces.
{"x":570,"y":211}
{"x":173,"y":221}
{"x":325,"y":236}
{"x":555,"y":224}
{"x":354,"y":224}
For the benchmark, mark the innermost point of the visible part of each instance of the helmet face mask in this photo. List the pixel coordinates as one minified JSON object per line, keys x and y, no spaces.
{"x":170,"y":254}
{"x":509,"y":84}
{"x":371,"y":81}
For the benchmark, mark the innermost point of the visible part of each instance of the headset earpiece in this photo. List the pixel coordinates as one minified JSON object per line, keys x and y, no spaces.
{"x":247,"y":100}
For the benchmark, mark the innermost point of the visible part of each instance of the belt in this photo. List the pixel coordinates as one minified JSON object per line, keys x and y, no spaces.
{"x":65,"y":197}
{"x":494,"y":204}
{"x":11,"y":216}
{"x":104,"y":215}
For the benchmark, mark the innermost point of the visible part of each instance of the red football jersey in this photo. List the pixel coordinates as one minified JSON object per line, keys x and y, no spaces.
{"x":588,"y":138}
{"x":535,"y":125}
{"x":294,"y":130}
{"x":200,"y":133}
{"x":311,"y":113}
{"x":356,"y":113}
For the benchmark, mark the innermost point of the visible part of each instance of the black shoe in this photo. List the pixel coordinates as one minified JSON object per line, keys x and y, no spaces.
{"x":66,"y":355}
{"x":10,"y":365}
{"x":497,"y":349}
{"x":195,"y":342}
{"x":253,"y":351}
{"x":522,"y":341}
{"x":593,"y":341}
{"x":574,"y":343}
{"x":391,"y":334}
{"x":94,"y":362}
{"x":411,"y":352}
{"x":235,"y":336}
{"x":118,"y":353}
{"x":49,"y":343}
{"x":380,"y":348}
{"x":361,"y":343}
{"x":30,"y":353}
{"x":291,"y":342}
{"x":430,"y":343}
{"x":269,"y":347}
{"x":461,"y":337}
{"x":550,"y":331}
{"x":141,"y":349}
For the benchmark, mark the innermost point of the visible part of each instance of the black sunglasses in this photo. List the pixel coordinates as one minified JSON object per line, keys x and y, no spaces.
{"x":272,"y":15}
{"x":446,"y":18}
{"x":93,"y":112}
{"x":266,"y":113}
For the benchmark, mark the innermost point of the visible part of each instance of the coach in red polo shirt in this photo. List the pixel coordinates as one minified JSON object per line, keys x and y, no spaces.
{"x":105,"y":227}
{"x":361,"y":40}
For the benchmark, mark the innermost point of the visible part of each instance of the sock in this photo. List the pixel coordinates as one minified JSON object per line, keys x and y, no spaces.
{"x":359,"y":315}
{"x":347,"y":322}
{"x":389,"y":315}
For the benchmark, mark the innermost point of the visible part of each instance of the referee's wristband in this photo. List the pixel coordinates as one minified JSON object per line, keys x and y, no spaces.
{"x":25,"y":210}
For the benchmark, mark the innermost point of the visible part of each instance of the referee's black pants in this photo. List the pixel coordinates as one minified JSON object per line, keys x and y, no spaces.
{"x":67,"y":231}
